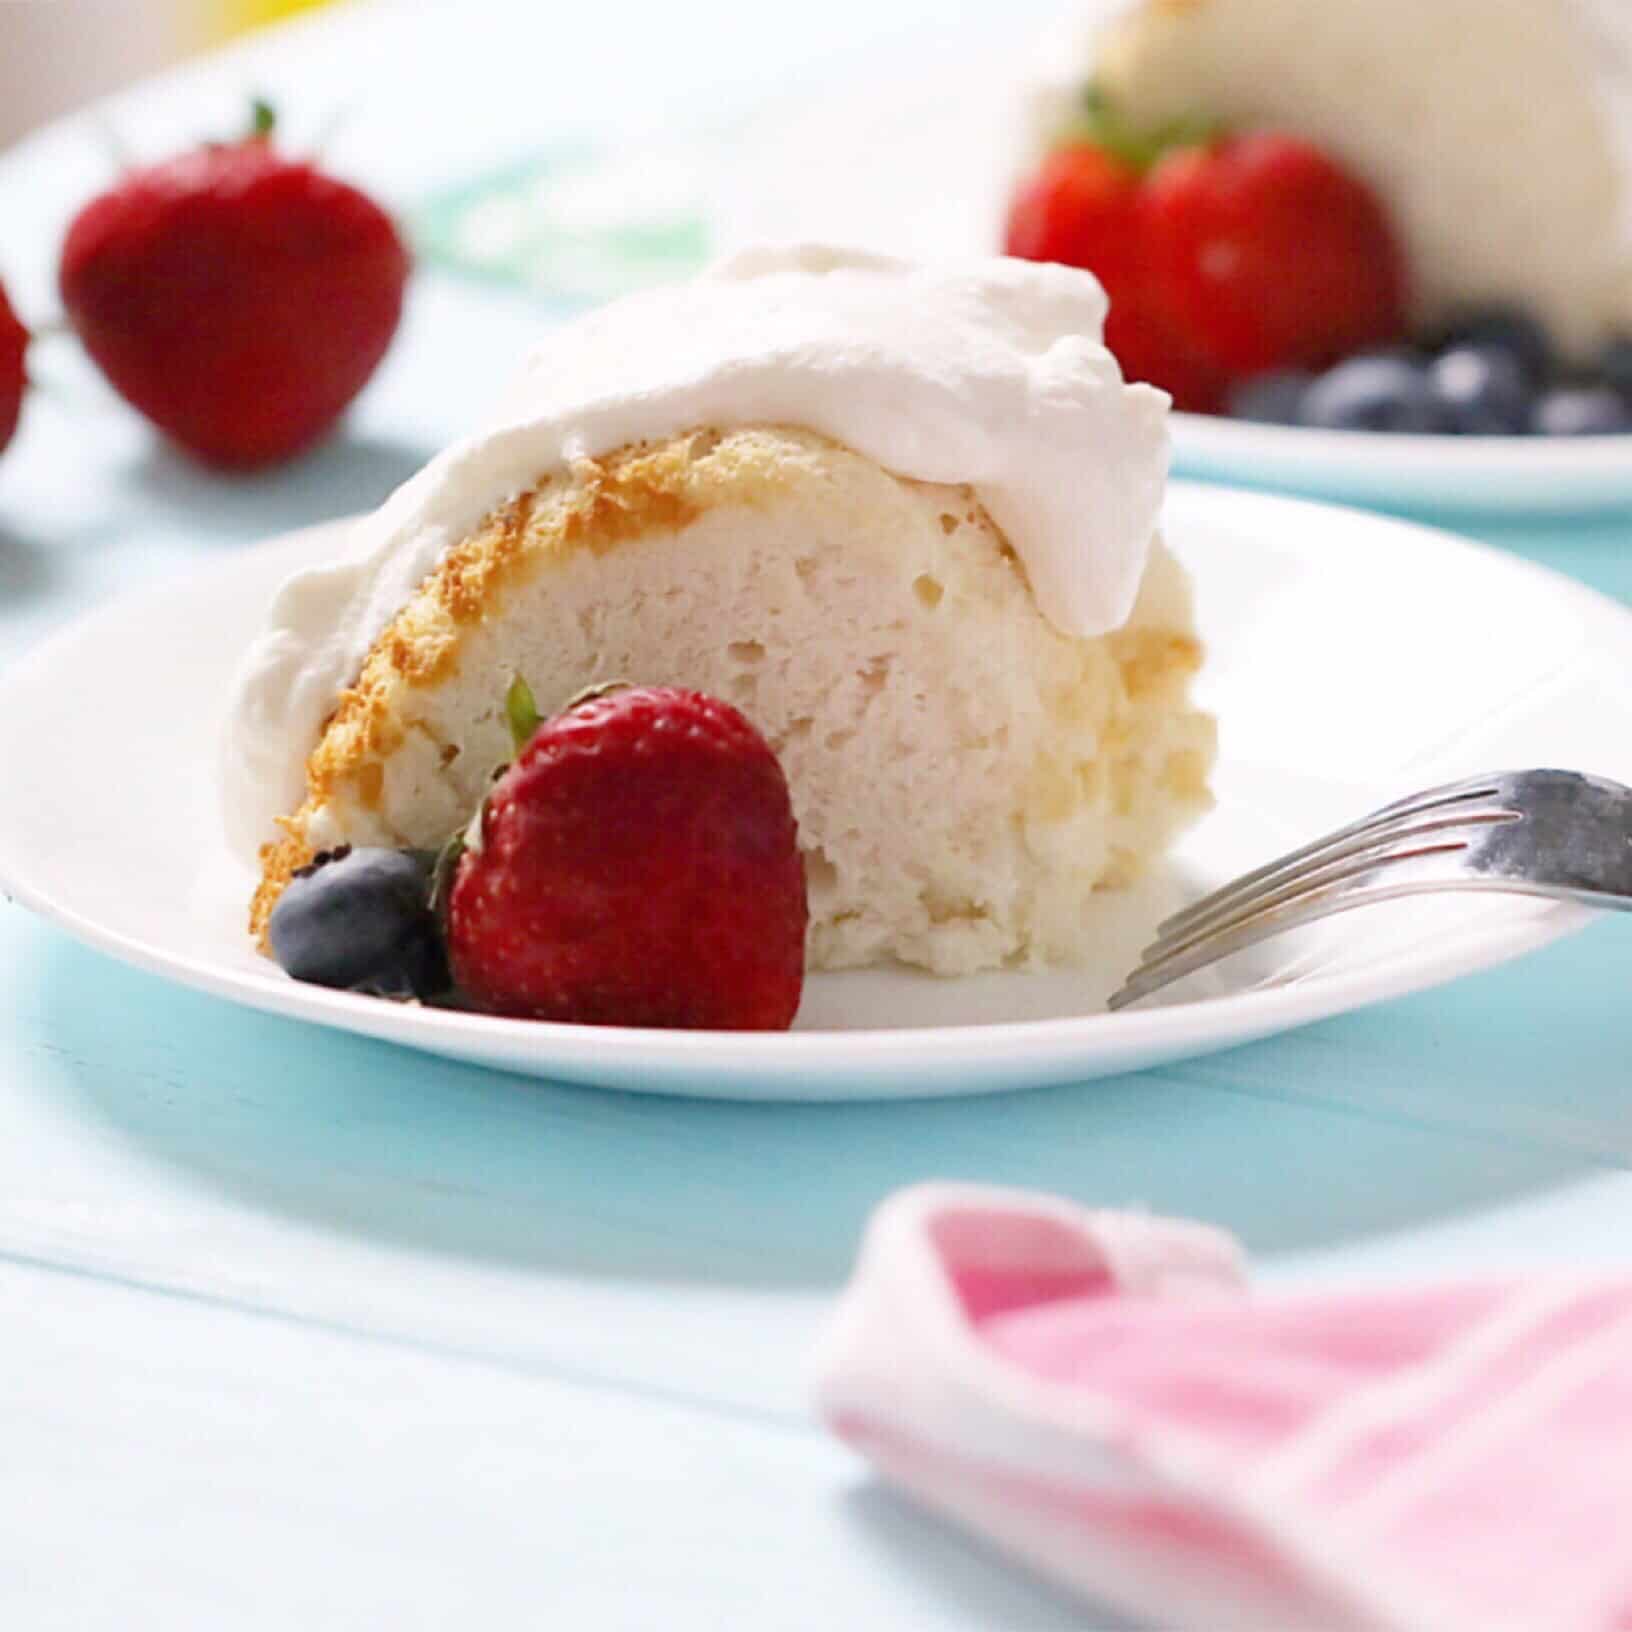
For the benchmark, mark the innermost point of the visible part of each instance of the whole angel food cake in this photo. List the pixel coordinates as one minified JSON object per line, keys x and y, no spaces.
{"x":1435,"y":164}
{"x":903,"y":518}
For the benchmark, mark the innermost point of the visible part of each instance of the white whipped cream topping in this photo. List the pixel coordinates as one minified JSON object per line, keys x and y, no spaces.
{"x":991,"y":373}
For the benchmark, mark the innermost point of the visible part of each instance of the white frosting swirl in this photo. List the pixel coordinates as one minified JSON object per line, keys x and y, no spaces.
{"x":991,"y":373}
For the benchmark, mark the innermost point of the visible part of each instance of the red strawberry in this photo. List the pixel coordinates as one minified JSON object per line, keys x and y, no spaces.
{"x":238,"y":298}
{"x":637,"y":865}
{"x":1150,"y":347}
{"x":13,"y":343}
{"x":1267,"y":255}
{"x":1083,"y":208}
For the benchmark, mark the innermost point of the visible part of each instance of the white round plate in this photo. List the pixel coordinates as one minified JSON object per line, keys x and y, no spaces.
{"x":921,"y":162}
{"x":1350,"y":659}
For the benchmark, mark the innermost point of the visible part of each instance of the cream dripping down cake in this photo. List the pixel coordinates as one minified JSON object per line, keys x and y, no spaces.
{"x":1493,"y":136}
{"x":903,"y":517}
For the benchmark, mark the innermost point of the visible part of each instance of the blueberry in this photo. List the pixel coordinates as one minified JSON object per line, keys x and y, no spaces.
{"x":1373,"y":393}
{"x":1582,"y":410}
{"x":1507,"y":330}
{"x":1615,"y":364}
{"x":1270,"y":399}
{"x":361,"y":920}
{"x":1481,"y":392}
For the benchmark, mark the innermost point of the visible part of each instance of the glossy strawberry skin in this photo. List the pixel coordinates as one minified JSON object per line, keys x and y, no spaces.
{"x":237,"y":298}
{"x":1151,"y":348}
{"x":1266,"y":254}
{"x":638,"y":866}
{"x":1083,"y":207}
{"x":13,"y":343}
{"x":1080,"y":208}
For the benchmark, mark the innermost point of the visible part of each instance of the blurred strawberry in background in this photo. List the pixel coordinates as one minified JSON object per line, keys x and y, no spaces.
{"x":13,"y":344}
{"x":236,"y":295}
{"x":1225,"y":257}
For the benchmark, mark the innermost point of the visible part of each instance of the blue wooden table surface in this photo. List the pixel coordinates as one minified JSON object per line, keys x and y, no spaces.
{"x":299,"y":1330}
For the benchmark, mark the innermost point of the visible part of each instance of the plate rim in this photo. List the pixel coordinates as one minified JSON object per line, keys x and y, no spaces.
{"x":1515,"y":470}
{"x":1210,"y":1022}
{"x":1581,"y":455}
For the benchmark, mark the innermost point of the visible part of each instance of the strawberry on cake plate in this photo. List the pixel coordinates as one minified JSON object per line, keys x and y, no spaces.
{"x":1289,"y":599}
{"x":902,"y":517}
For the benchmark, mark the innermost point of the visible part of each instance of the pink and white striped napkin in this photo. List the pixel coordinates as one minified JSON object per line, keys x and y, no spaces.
{"x":1099,"y":1395}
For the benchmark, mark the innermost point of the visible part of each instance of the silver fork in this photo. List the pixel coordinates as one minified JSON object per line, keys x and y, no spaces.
{"x":1550,"y":833}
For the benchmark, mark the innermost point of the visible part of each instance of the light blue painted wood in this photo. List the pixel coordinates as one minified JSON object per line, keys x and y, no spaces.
{"x":177,"y":1141}
{"x":534,"y":1349}
{"x":171,"y":1465}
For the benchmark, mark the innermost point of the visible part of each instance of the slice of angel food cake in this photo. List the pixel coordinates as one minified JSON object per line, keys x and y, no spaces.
{"x":902,"y":518}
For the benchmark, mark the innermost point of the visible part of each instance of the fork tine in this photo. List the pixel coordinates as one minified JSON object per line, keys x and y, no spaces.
{"x":1311,"y":882}
{"x":1408,"y":836}
{"x":1335,"y":896}
{"x":1379,"y":821}
{"x":1470,"y":787}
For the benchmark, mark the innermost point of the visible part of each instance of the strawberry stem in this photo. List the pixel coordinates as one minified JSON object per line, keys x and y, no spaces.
{"x":263,"y":119}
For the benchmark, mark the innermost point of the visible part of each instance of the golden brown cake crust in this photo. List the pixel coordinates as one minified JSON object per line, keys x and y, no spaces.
{"x":597,"y":505}
{"x":601,"y":503}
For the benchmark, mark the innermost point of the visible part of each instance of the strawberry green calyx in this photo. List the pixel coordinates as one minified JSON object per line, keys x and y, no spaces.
{"x":263,"y":121}
{"x":521,"y":708}
{"x":522,"y":716}
{"x":521,"y":711}
{"x":1100,"y":123}
{"x":447,"y":863}
{"x":469,"y":837}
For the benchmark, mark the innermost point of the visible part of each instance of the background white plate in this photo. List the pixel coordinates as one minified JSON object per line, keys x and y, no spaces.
{"x":1350,"y":659}
{"x":920,"y":162}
